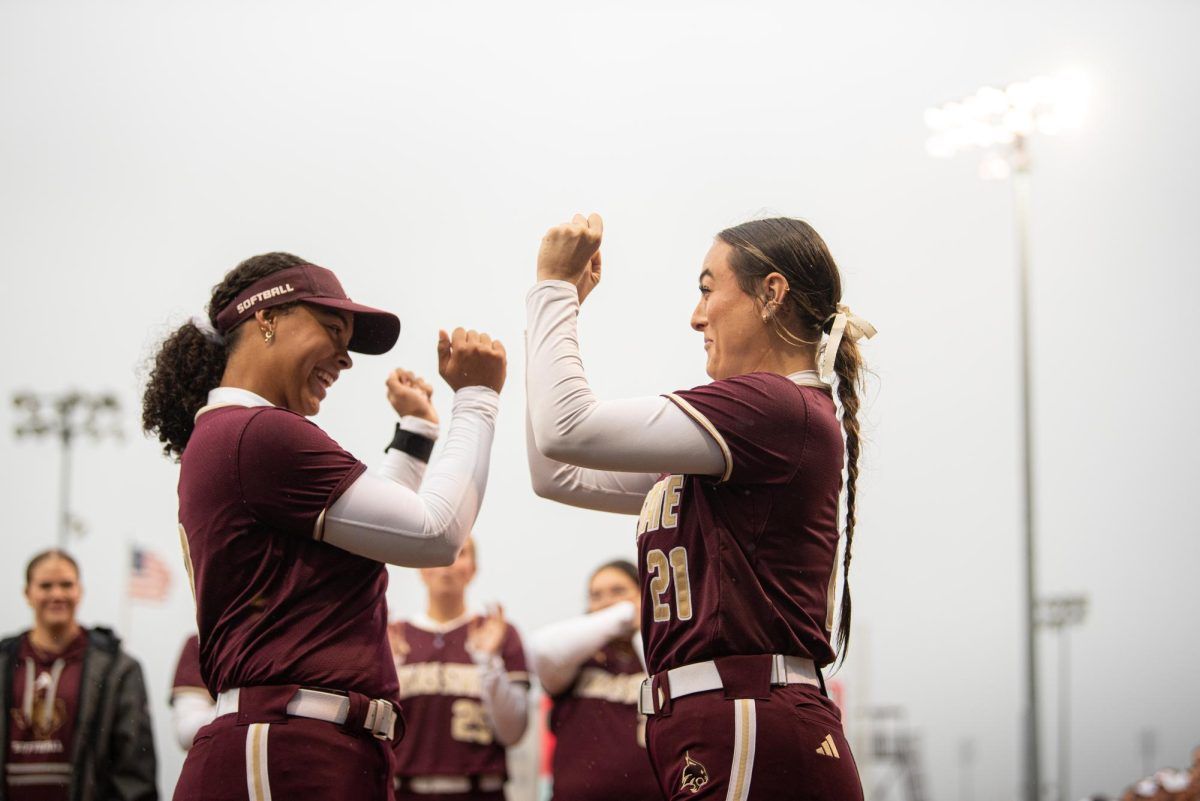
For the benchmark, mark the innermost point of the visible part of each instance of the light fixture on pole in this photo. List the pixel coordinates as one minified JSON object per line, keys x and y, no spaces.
{"x":1059,"y":614}
{"x":66,"y":416}
{"x":1000,"y":122}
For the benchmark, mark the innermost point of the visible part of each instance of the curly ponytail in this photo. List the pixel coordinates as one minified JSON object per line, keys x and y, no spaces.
{"x":188,"y":364}
{"x":795,"y":250}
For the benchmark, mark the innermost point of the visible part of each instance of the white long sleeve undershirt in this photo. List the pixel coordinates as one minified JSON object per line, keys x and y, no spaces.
{"x":586,"y":452}
{"x":190,"y":712}
{"x":560,"y":649}
{"x":403,"y":468}
{"x":380,"y":518}
{"x":505,"y":702}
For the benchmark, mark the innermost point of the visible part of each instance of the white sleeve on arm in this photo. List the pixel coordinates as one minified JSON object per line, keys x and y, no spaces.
{"x":190,"y":712}
{"x":602,"y":490}
{"x":505,"y":702}
{"x":403,"y":468}
{"x":379,"y":519}
{"x":641,"y":435}
{"x":559,"y":649}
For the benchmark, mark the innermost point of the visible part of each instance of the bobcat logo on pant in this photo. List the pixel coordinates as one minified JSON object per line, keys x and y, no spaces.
{"x":694,"y":774}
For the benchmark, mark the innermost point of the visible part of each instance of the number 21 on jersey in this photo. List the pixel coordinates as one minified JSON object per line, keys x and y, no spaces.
{"x":662,"y":569}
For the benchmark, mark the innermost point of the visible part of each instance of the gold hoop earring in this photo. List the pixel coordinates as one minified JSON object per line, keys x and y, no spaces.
{"x":267,"y":335}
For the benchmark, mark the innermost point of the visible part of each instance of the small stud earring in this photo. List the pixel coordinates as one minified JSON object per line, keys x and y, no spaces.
{"x":267,"y":335}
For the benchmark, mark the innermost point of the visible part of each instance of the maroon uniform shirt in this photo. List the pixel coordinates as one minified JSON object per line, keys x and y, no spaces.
{"x":441,"y":695}
{"x":274,"y":605}
{"x":744,"y":563}
{"x":600,"y":749}
{"x":187,"y":670}
{"x":42,"y":723}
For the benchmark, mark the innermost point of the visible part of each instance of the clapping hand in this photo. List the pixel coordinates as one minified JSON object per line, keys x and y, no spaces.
{"x":485,"y":634}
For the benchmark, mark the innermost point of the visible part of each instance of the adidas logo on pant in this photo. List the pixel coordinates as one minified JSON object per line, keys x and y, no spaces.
{"x":828,"y":748}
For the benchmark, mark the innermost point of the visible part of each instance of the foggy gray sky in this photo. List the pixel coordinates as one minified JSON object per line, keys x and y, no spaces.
{"x":422,"y":150}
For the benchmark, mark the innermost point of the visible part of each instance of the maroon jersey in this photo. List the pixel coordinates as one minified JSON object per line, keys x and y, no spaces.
{"x":441,"y":695}
{"x":274,"y":604}
{"x":744,"y":563}
{"x":600,"y":750}
{"x":187,"y":670}
{"x":42,"y":720}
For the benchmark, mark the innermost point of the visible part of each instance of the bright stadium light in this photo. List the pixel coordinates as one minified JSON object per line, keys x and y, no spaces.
{"x":1000,"y":122}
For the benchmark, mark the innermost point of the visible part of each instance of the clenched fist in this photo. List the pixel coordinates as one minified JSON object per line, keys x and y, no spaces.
{"x":410,"y":394}
{"x":471,"y":359}
{"x":571,"y":252}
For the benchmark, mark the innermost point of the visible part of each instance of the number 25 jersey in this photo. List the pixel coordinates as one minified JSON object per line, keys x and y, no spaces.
{"x":441,"y":693}
{"x":744,"y":563}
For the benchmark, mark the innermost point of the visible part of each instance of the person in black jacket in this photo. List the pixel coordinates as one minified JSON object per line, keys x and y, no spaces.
{"x":75,"y":723}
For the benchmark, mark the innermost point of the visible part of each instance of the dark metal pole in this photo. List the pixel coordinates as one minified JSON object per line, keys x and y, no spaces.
{"x":1033,"y":772}
{"x":64,"y":479}
{"x":1064,"y":714}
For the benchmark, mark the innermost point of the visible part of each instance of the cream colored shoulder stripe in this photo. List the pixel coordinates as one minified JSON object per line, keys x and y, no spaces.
{"x":707,"y":425}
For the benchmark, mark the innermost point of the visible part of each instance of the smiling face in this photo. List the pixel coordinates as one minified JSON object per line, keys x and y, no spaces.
{"x":735,"y":336}
{"x":307,"y":352}
{"x":53,"y":593}
{"x":610,"y":586}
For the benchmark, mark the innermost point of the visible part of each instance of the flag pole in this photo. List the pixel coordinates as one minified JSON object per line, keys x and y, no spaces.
{"x":125,"y":614}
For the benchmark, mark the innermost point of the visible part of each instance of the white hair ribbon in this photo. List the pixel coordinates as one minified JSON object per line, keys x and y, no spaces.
{"x":845,"y":323}
{"x":205,"y":326}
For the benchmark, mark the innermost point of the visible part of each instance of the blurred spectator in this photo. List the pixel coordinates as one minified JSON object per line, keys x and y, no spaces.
{"x":463,"y":689}
{"x":192,"y":707}
{"x":75,"y":724}
{"x":591,"y":667}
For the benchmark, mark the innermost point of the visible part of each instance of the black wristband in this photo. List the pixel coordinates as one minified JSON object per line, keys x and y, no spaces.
{"x":415,"y":445}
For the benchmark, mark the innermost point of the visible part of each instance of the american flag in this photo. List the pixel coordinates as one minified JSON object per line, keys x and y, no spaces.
{"x":149,"y":576}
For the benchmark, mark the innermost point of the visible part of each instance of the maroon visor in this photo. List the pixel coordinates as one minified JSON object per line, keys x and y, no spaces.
{"x":375,"y":331}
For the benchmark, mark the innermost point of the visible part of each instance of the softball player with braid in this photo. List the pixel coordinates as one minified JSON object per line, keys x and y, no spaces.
{"x":736,"y":485}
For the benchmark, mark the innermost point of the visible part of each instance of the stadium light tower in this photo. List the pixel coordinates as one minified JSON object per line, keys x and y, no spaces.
{"x":66,"y":416}
{"x":1059,"y":614}
{"x":1000,"y":122}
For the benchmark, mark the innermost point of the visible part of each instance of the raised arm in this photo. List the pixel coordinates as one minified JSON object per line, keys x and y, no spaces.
{"x":383,"y":517}
{"x":560,"y":649}
{"x":571,"y":425}
{"x":602,"y":490}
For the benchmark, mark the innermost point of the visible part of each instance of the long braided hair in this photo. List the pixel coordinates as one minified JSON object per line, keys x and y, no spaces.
{"x":793,"y":249}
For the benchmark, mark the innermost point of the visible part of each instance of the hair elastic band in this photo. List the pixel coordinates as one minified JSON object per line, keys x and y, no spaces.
{"x":845,"y":323}
{"x":205,"y":327}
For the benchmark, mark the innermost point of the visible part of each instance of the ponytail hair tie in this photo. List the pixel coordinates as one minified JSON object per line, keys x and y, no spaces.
{"x":205,"y":327}
{"x":844,"y":323}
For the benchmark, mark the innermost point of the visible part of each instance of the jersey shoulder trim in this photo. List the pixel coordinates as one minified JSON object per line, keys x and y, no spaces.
{"x":694,"y":413}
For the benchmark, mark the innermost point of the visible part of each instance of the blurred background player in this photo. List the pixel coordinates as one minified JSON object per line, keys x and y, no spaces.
{"x":192,"y":706}
{"x":591,"y":668}
{"x":464,"y":686}
{"x":737,"y":486}
{"x":285,"y":534}
{"x":75,"y":722}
